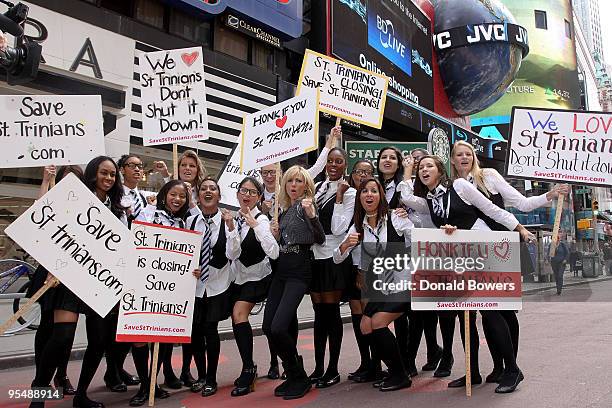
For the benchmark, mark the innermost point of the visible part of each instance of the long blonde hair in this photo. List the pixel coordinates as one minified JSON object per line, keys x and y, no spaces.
{"x":202,"y":173}
{"x":475,"y":171}
{"x":283,"y":198}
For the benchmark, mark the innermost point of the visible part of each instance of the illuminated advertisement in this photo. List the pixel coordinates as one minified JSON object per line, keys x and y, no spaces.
{"x":548,"y":77}
{"x":391,"y":37}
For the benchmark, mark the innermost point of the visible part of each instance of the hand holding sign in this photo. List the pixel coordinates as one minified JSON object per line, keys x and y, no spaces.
{"x":333,"y":137}
{"x":558,"y":190}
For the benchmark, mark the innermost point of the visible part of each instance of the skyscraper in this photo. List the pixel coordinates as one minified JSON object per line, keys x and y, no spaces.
{"x":587,"y":12}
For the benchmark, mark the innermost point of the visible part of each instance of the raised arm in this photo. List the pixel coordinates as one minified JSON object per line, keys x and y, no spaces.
{"x":471,"y":195}
{"x":319,"y":165}
{"x":513,"y":198}
{"x":418,"y":204}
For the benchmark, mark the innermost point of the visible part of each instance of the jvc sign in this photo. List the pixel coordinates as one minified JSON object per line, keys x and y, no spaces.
{"x":282,"y":16}
{"x":385,"y":35}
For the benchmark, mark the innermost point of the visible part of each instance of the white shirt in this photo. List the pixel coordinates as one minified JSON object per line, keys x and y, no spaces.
{"x":343,"y":212}
{"x":390,"y":190}
{"x":403,"y":226}
{"x":218,"y":279}
{"x":471,"y":196}
{"x":329,"y":189}
{"x":268,"y":243}
{"x":496,"y":184}
{"x":319,"y":165}
{"x":128,"y":198}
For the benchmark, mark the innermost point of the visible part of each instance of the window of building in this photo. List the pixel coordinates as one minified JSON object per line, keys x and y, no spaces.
{"x":262,"y":56}
{"x":123,"y":7}
{"x":189,"y":27}
{"x":540,"y":19}
{"x":150,"y":12}
{"x":568,"y":29}
{"x":232,"y":43}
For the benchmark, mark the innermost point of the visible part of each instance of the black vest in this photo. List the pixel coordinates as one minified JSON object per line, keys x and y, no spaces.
{"x":326,"y":212}
{"x":218,"y":259}
{"x":392,"y":234}
{"x":498,"y":200}
{"x":460,"y":214}
{"x":251,"y":251}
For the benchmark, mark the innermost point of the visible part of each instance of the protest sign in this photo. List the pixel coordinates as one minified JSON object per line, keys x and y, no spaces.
{"x":158,"y":304}
{"x":467,"y":270}
{"x":40,"y":130}
{"x":72,"y":234}
{"x":174,"y":96}
{"x":559,"y":145}
{"x":347,"y":91}
{"x":280,"y":132}
{"x":230,"y":177}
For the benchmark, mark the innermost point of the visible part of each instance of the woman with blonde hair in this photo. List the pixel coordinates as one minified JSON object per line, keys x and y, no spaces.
{"x":297,"y":230}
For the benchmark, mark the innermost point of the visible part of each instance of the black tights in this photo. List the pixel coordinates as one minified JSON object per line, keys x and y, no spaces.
{"x":401,"y":333}
{"x":206,"y":347}
{"x":116,"y":353}
{"x":42,"y":337}
{"x":500,"y":338}
{"x":363,"y":343}
{"x":99,"y":332}
{"x":386,"y":347}
{"x":327,"y":324}
{"x":284,"y":298}
{"x":422,"y":322}
{"x":447,"y":327}
{"x":60,"y":339}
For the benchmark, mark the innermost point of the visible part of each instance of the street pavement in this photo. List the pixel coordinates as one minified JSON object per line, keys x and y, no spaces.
{"x":565,"y":354}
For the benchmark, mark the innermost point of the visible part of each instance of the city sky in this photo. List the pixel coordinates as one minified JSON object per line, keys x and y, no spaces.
{"x":605,"y":9}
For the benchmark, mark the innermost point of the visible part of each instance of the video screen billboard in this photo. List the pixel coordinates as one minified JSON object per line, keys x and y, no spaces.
{"x":392,"y":37}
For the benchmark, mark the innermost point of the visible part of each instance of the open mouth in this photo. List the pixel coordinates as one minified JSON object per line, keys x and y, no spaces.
{"x":425,"y":177}
{"x":208,"y":197}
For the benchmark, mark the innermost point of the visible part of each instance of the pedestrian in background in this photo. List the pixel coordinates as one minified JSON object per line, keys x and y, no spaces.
{"x":558,"y":261}
{"x":607,"y":253}
{"x":573,"y":260}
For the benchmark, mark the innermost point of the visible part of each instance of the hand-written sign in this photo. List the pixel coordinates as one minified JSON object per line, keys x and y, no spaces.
{"x":72,"y":234}
{"x":467,"y":270}
{"x":157,"y":305}
{"x":566,"y":146}
{"x":347,"y":91}
{"x":230,"y":177}
{"x":280,"y":132}
{"x":174,"y":95}
{"x":39,"y":130}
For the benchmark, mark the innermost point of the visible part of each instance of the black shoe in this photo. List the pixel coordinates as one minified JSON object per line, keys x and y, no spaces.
{"x":360,"y":370}
{"x":128,"y":378}
{"x":139,"y":399}
{"x":432,"y":363}
{"x":380,"y":379}
{"x":364,"y":377}
{"x":187,"y":379}
{"x":328,"y":380}
{"x":160,"y":393}
{"x":460,"y":382}
{"x":246,"y":382}
{"x":298,"y":383}
{"x":198,"y":385}
{"x":316,"y":375}
{"x":209,"y":389}
{"x":121,"y":387}
{"x":64,"y":383}
{"x":495,"y":375}
{"x":172,"y":382}
{"x":444,"y":368}
{"x":81,"y":401}
{"x":273,"y":373}
{"x":280,"y":390}
{"x":394,"y":383}
{"x":509,"y":382}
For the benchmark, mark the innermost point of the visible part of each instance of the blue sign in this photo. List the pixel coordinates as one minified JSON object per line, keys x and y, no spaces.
{"x":282,"y":16}
{"x":386,"y":34}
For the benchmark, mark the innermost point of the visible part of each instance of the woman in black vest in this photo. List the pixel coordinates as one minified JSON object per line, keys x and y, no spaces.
{"x":373,"y":222}
{"x":328,"y":280}
{"x":213,"y":300}
{"x":459,"y":204}
{"x":249,"y":246}
{"x":501,"y":329}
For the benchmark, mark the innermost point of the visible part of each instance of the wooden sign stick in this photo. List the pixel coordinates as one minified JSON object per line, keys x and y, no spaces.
{"x":468,"y":368}
{"x":555,"y":235}
{"x":26,"y":308}
{"x":277,"y":191}
{"x":338,"y":123}
{"x":153,"y":382}
{"x":175,"y":161}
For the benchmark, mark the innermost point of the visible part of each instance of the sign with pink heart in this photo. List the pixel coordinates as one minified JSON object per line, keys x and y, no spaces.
{"x":280,"y":132}
{"x":174,"y":96}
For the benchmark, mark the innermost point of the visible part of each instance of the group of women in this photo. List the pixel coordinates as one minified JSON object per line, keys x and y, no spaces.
{"x":317,"y":246}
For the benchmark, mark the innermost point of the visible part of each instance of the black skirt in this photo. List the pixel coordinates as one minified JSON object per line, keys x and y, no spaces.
{"x":389,"y":307}
{"x":328,"y":276}
{"x":64,"y":299}
{"x":352,"y":292}
{"x":46,"y":301}
{"x":212,"y":309}
{"x":251,"y":292}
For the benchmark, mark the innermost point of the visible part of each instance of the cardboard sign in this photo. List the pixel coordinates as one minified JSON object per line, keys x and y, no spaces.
{"x":174,"y":96}
{"x":40,"y":130}
{"x":467,"y":270}
{"x":347,"y":91}
{"x":559,"y":145}
{"x":158,"y":306}
{"x":280,"y":132}
{"x":230,"y":177}
{"x":72,"y":234}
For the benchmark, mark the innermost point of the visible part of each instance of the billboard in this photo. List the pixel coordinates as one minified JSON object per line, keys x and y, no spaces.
{"x":391,"y":37}
{"x":548,"y":77}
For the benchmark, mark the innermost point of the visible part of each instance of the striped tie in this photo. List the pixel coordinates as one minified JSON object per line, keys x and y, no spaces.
{"x":322,"y":193}
{"x":205,"y":252}
{"x":239,"y":223}
{"x":136,"y":203}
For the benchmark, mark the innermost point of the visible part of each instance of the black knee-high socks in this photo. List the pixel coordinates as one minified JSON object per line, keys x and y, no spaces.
{"x":140,"y":355}
{"x":363,"y":343}
{"x":328,"y":324}
{"x":511,"y":318}
{"x":166,"y":359}
{"x":213,"y":350}
{"x":60,"y":339}
{"x":98,"y":335}
{"x":187,"y":355}
{"x":447,"y":329}
{"x":198,"y":347}
{"x":387,"y":348}
{"x":474,"y":340}
{"x":499,"y":340}
{"x":401,"y":333}
{"x":244,"y":340}
{"x":320,"y":337}
{"x":430,"y":328}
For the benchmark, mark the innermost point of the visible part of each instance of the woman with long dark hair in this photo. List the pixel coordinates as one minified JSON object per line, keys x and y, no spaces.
{"x":374,"y":226}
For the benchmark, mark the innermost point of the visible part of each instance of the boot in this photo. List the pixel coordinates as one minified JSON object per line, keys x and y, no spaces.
{"x":279,"y":391}
{"x":298,"y":383}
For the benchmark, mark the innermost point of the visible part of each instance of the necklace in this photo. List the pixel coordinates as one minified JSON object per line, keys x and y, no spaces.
{"x":371,"y":215}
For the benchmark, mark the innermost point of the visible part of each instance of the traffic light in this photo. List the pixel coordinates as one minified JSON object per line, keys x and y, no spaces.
{"x":595,"y":206}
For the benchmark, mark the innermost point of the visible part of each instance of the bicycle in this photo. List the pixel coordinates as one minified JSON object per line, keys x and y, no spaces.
{"x":257,"y":308}
{"x":17,"y":269}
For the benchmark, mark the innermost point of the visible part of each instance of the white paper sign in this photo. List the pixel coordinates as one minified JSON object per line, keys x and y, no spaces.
{"x":230,"y":177}
{"x":174,"y":96}
{"x":39,"y":130}
{"x":467,"y":270}
{"x":565,"y":146}
{"x":347,"y":91}
{"x":280,"y":132}
{"x":158,"y":304}
{"x":72,"y":234}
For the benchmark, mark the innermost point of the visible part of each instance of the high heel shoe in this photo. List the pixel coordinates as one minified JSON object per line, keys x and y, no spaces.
{"x":65,"y":384}
{"x":246,"y":382}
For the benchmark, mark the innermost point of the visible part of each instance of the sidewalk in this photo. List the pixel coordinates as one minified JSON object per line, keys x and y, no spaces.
{"x":568,"y":280}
